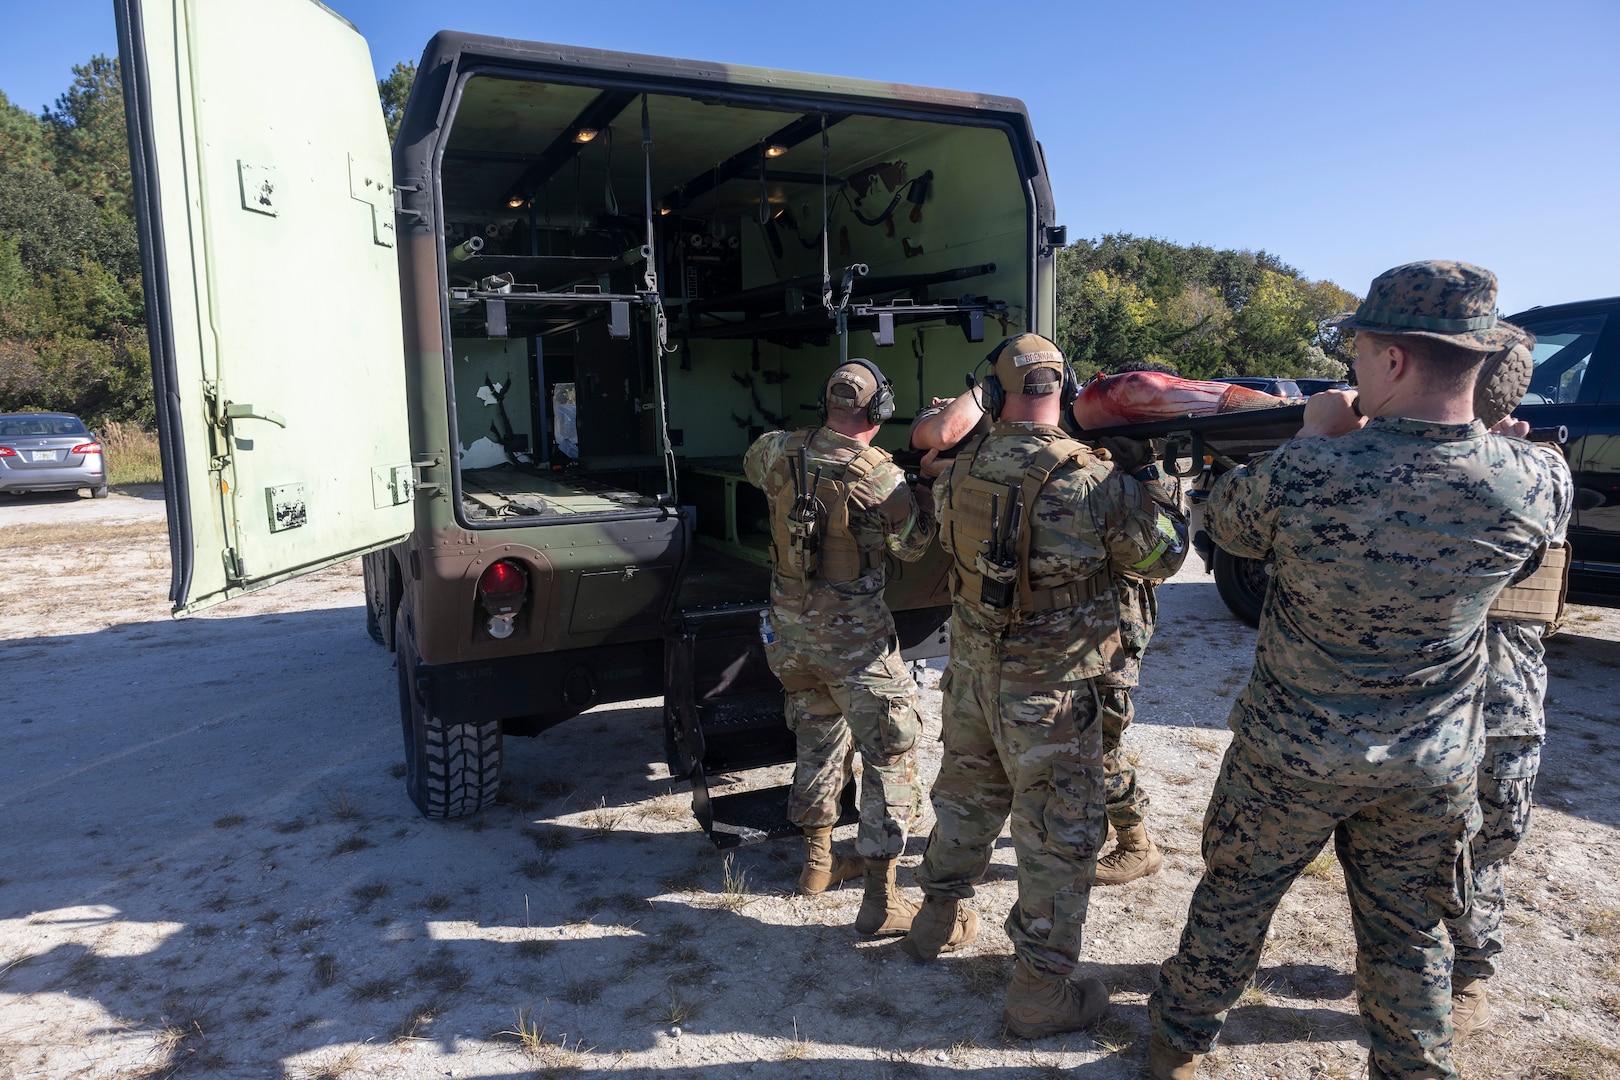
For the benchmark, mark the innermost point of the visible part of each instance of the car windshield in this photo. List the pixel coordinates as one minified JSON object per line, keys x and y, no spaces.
{"x":41,"y":425}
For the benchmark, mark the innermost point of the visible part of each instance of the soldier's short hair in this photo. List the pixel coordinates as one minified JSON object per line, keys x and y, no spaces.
{"x":1442,"y":364}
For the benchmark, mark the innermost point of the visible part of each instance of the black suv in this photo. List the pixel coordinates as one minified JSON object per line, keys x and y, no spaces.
{"x":1576,"y":384}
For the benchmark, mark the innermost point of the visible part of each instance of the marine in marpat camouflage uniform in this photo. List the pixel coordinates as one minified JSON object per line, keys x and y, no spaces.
{"x":1515,"y":728}
{"x":1036,"y":523}
{"x":1389,"y":539}
{"x":947,"y":425}
{"x":838,"y":506}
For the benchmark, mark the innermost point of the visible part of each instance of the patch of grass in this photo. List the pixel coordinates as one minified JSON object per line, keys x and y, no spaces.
{"x":797,"y":1049}
{"x":553,"y":1057}
{"x":306,"y":922}
{"x":350,"y":844}
{"x":229,"y":821}
{"x":536,"y":868}
{"x":42,"y":535}
{"x":535,"y":948}
{"x":1575,"y":1057}
{"x":205,"y":930}
{"x":410,"y":1028}
{"x":370,"y":893}
{"x":1601,"y":922}
{"x":583,"y":992}
{"x":255,"y":1012}
{"x":984,"y":976}
{"x":397,"y":770}
{"x":219,"y":903}
{"x":442,"y":971}
{"x":336,"y":1067}
{"x":733,"y":886}
{"x":1113,"y":1037}
{"x":688,"y":880}
{"x":286,"y":827}
{"x":550,"y":839}
{"x":605,"y":820}
{"x":377,"y":989}
{"x":131,"y":453}
{"x":343,"y":808}
{"x":1207,"y":743}
{"x":438,"y":902}
{"x":325,"y":970}
{"x":678,"y":1009}
{"x":1324,"y":867}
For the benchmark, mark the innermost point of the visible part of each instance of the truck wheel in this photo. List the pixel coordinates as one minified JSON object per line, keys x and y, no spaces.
{"x":451,"y":770}
{"x":1242,"y":584}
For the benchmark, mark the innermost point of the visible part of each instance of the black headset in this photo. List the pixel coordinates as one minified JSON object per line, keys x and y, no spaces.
{"x":995,"y":395}
{"x":880,"y":408}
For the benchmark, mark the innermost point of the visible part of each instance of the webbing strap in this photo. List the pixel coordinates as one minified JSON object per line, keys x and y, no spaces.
{"x":1073,"y":594}
{"x":1040,"y":470}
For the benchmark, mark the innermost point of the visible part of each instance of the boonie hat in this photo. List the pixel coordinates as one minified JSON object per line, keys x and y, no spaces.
{"x":853,"y":385}
{"x":1016,"y":357}
{"x":1448,"y":301}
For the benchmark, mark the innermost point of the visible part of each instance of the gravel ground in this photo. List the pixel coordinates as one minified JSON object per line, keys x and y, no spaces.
{"x":209,"y":868}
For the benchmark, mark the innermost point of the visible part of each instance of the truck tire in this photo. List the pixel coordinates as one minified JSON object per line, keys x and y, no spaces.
{"x":451,"y":770}
{"x":1242,"y":584}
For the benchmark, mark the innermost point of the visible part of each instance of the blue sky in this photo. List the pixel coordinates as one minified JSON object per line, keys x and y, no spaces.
{"x":1343,"y":137}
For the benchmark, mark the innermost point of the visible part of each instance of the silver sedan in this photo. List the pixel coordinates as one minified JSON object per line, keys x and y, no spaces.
{"x":50,"y":452}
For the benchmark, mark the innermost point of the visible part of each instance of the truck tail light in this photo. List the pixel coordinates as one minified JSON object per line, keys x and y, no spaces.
{"x":502,"y":589}
{"x":86,"y":448}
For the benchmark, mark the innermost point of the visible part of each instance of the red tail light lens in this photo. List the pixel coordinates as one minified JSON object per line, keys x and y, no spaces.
{"x":6,"y":451}
{"x":86,"y":448}
{"x":502,"y":587}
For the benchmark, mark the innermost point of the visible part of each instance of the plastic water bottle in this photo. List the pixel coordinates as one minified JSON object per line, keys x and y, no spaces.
{"x":767,"y":632}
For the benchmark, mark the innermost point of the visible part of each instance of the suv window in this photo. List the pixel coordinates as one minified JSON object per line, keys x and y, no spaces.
{"x":1563,"y":350}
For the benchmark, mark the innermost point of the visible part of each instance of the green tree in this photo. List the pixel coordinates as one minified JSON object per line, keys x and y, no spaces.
{"x":1272,"y":332}
{"x":393,"y":93}
{"x":87,"y":126}
{"x":24,"y":140}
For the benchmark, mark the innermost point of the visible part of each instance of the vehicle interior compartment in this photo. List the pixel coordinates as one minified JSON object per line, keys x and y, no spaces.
{"x":780,"y":239}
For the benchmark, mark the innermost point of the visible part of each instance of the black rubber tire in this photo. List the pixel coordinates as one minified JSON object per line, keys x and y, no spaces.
{"x":451,"y":770}
{"x":99,"y":492}
{"x":1242,"y":584}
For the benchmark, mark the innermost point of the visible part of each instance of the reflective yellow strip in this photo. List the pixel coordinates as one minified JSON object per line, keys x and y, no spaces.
{"x":1167,"y":533}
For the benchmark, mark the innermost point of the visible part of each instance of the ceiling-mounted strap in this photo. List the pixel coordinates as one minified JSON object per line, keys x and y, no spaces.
{"x":826,"y":272}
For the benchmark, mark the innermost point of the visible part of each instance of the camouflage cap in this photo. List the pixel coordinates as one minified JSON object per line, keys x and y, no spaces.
{"x":1016,"y":357}
{"x":1449,"y":301}
{"x":1502,"y":381}
{"x":851,"y":386}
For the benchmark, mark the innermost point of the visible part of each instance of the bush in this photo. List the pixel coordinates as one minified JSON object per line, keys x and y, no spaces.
{"x":132,"y":455}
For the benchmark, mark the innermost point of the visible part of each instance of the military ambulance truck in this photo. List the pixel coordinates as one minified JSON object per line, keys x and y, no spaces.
{"x":515,"y":362}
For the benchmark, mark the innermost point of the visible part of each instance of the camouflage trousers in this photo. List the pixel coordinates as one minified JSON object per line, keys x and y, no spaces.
{"x":1127,"y":802}
{"x":1405,"y":857}
{"x":1506,"y":779}
{"x":1034,"y":754}
{"x":840,"y":698}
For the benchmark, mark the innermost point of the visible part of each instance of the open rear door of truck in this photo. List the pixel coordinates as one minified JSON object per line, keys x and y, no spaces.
{"x":265,"y":200}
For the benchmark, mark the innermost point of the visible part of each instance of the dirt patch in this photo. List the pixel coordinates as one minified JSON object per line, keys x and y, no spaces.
{"x":210,"y":869}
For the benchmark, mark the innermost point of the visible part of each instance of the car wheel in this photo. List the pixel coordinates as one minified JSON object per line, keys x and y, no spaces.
{"x":99,"y":492}
{"x":1242,"y":584}
{"x":451,"y":770}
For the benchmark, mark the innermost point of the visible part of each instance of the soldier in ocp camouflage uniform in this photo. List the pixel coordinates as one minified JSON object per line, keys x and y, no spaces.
{"x":946,"y":425}
{"x":835,"y":651}
{"x":1361,"y":719}
{"x":1515,"y":728}
{"x":1020,"y":710}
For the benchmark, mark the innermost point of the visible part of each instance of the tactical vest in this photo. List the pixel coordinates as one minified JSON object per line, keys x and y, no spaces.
{"x":967,"y":518}
{"x":836,"y":556}
{"x":1539,"y":597}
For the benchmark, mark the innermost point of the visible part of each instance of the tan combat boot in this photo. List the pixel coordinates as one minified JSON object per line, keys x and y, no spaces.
{"x":883,"y":909}
{"x":1135,"y":856}
{"x":1470,"y":1011}
{"x":822,"y":869}
{"x":1040,"y":1005}
{"x":944,"y":924}
{"x":1165,"y":1062}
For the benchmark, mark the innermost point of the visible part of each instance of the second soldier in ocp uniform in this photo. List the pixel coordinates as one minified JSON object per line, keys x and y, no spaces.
{"x":838,"y":506}
{"x":1035,"y":523}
